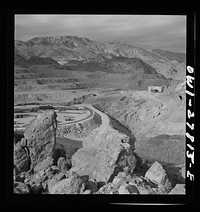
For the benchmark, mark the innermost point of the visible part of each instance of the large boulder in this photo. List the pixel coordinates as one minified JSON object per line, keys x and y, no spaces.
{"x":157,"y":174}
{"x":103,"y":155}
{"x":41,"y":137}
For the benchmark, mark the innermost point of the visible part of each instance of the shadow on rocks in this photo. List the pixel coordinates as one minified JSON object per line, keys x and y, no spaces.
{"x":138,"y":158}
{"x":36,"y":189}
{"x":57,"y":153}
{"x":18,"y":136}
{"x":117,"y":169}
{"x":131,"y":159}
{"x":92,"y":184}
{"x":175,"y":174}
{"x":123,"y":129}
{"x":100,"y":184}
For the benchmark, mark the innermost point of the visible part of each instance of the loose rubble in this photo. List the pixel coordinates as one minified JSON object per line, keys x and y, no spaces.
{"x":106,"y":166}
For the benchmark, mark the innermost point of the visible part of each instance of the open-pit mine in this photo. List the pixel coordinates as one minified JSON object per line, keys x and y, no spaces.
{"x":109,"y":121}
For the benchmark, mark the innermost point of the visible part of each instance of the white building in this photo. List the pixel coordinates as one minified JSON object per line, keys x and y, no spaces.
{"x":155,"y":89}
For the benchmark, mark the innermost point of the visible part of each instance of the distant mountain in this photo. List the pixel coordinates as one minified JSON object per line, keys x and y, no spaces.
{"x":120,"y":64}
{"x":66,"y":48}
{"x":82,"y":52}
{"x":62,"y":48}
{"x":180,"y":57}
{"x":20,"y":61}
{"x":42,"y":61}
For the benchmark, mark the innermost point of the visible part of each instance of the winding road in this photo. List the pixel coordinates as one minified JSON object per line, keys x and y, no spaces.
{"x":91,"y":113}
{"x":87,"y":108}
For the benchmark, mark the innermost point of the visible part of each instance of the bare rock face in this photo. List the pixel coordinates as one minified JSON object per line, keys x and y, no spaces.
{"x":41,"y":137}
{"x":104,"y":155}
{"x":21,"y":158}
{"x":158,"y":124}
{"x":156,"y":174}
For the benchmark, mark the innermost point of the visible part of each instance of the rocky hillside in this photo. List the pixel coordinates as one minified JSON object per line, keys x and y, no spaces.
{"x":117,"y":65}
{"x":34,"y":60}
{"x":70,"y":50}
{"x":180,"y":57}
{"x":156,"y":121}
{"x":66,"y":48}
{"x":104,"y":164}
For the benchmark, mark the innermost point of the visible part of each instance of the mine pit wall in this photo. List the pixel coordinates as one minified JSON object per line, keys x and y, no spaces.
{"x":61,"y":86}
{"x":28,"y":97}
{"x":80,"y":129}
{"x":43,"y":96}
{"x":168,"y":147}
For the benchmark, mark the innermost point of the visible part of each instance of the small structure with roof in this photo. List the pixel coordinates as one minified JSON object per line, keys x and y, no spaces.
{"x":155,"y":89}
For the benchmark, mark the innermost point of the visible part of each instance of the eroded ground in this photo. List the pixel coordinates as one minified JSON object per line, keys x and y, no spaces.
{"x":154,"y":123}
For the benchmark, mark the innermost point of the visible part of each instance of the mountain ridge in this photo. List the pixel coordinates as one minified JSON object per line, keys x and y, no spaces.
{"x":65,"y":49}
{"x":70,"y":44}
{"x":180,"y":57}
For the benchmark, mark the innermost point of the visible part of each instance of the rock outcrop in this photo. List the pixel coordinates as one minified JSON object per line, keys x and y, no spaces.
{"x":157,"y":174}
{"x":21,"y":158}
{"x":105,"y":164}
{"x":41,"y":137}
{"x":156,"y":121}
{"x":147,"y":184}
{"x":103,"y":155}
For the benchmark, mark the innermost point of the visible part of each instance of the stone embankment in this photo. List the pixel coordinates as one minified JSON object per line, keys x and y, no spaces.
{"x":79,"y":129}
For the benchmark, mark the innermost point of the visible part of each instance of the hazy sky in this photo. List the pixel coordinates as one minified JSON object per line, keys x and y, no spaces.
{"x":167,"y":32}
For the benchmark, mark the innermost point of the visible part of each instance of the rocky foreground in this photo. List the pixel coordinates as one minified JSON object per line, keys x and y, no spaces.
{"x":106,"y":164}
